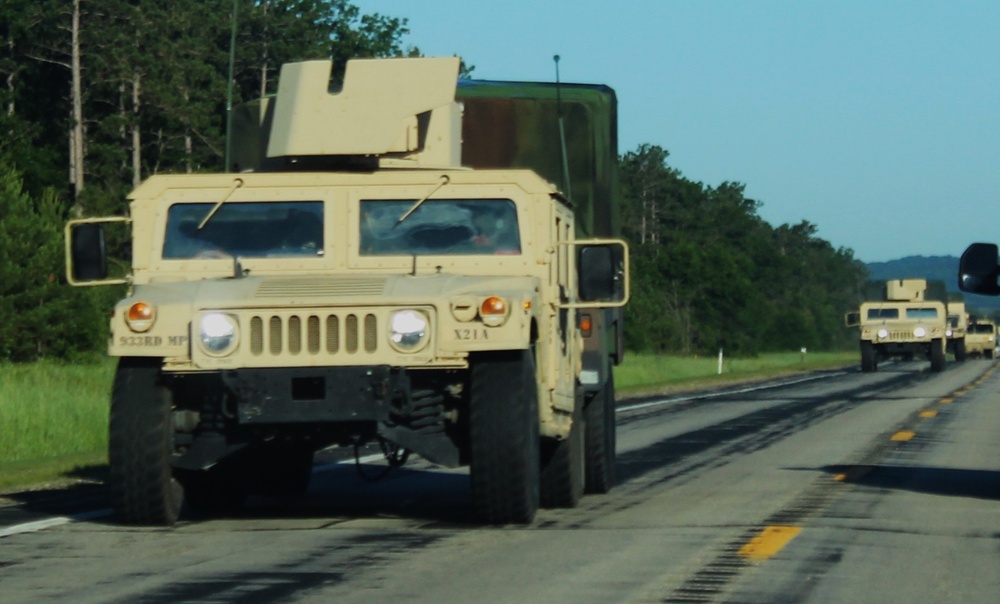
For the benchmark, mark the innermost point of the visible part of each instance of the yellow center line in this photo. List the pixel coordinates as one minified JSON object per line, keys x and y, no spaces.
{"x":769,"y":542}
{"x":928,"y":413}
{"x":903,"y":435}
{"x":946,"y":400}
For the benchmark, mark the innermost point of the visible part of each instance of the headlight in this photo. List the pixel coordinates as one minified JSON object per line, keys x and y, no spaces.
{"x":883,"y":333}
{"x":949,"y":333}
{"x":218,"y":334}
{"x":920,"y":332}
{"x":408,"y":330}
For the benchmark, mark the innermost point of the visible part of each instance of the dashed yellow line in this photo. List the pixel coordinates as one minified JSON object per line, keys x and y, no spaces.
{"x":946,"y":400}
{"x":928,"y":413}
{"x":903,"y":435}
{"x":769,"y":542}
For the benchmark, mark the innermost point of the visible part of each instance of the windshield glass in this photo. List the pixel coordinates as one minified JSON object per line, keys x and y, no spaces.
{"x":921,"y":313}
{"x":248,"y":230}
{"x":883,"y":313}
{"x":439,"y":227}
{"x":982,"y":328}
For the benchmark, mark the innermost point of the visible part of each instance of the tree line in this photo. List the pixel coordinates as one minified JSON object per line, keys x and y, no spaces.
{"x":96,"y":95}
{"x":709,"y":272}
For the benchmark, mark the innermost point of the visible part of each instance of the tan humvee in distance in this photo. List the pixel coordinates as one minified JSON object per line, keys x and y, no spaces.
{"x":363,"y":288}
{"x":904,"y":326}
{"x":981,"y":340}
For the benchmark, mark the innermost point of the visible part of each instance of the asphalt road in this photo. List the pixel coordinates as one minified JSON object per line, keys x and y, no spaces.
{"x":845,"y":487}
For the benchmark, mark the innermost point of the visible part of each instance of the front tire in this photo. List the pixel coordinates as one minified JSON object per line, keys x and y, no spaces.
{"x":960,"y":353}
{"x":868,"y":361}
{"x":503,"y":437}
{"x":937,"y":355}
{"x":140,"y":446}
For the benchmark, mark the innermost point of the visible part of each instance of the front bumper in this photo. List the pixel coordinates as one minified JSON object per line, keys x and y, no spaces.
{"x":289,"y":395}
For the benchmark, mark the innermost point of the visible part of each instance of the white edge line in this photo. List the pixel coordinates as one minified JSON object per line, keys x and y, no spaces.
{"x":41,"y":525}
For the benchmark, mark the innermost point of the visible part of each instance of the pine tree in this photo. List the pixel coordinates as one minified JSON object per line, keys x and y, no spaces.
{"x":39,"y":314}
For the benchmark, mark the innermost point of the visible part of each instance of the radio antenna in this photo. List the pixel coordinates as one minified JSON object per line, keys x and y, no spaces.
{"x":562,"y":135}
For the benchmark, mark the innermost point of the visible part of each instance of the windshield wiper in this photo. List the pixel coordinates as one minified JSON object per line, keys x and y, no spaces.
{"x":236,"y":185}
{"x":444,"y":180}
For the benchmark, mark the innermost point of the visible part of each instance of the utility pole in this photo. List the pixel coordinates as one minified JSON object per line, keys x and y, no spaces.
{"x":229,"y":93}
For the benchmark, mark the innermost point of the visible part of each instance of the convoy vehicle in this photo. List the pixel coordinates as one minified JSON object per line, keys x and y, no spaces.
{"x":903,"y":326}
{"x":982,"y":338}
{"x":958,"y":325}
{"x":364,"y":278}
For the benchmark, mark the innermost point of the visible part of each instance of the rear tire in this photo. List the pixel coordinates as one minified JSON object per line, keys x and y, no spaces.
{"x":280,"y":469}
{"x":869,"y":362}
{"x":600,"y":439}
{"x":937,"y":355}
{"x":218,"y":491}
{"x":141,"y":445}
{"x":562,"y":472}
{"x":503,"y":437}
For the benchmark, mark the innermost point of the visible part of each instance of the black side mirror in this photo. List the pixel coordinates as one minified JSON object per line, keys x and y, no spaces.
{"x":88,"y":252}
{"x":597,"y":273}
{"x":977,"y":270}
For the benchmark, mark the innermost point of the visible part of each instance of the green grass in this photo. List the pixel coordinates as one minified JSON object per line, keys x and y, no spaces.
{"x":54,"y":417}
{"x":652,"y":373}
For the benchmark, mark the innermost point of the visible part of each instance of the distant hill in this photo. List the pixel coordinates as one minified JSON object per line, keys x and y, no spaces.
{"x":932,"y":268}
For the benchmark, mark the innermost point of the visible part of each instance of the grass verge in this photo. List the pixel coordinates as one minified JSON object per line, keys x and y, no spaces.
{"x":652,"y":374}
{"x":54,"y":419}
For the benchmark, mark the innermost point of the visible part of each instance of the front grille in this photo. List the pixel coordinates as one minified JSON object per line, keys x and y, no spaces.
{"x":313,"y":334}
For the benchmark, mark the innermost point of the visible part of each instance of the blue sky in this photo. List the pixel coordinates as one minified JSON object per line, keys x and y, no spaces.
{"x":877,"y":121}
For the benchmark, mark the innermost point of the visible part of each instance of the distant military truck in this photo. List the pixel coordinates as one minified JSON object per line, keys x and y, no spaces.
{"x":982,"y":338}
{"x":357,"y":283}
{"x":958,"y":325}
{"x":904,"y":326}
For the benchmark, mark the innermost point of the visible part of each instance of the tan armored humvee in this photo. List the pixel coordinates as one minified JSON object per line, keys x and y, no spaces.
{"x":958,"y":325}
{"x":982,"y":338}
{"x":903,"y":326}
{"x":370,"y":290}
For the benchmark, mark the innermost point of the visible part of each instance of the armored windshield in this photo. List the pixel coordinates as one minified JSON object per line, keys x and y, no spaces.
{"x":921,"y":313}
{"x":982,"y":328}
{"x":439,"y":227}
{"x":247,"y":230}
{"x":883,"y":313}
